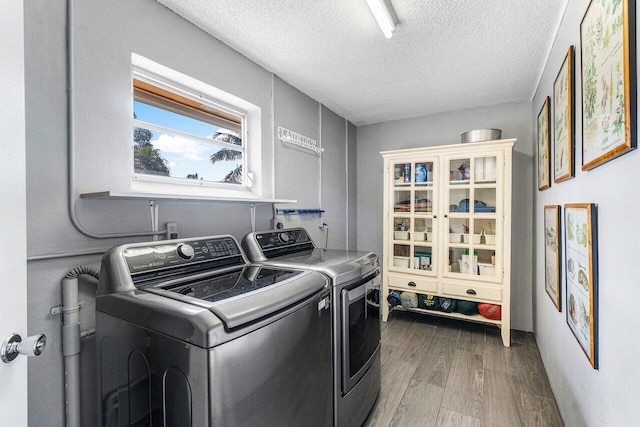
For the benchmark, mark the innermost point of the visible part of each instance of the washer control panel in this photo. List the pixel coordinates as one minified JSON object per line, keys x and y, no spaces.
{"x":161,"y":255}
{"x":277,"y":239}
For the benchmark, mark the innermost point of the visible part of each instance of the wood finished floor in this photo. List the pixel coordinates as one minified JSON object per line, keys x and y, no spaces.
{"x":442,"y":372}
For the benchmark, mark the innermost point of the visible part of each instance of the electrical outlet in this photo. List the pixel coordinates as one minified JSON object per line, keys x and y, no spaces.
{"x":172,"y":230}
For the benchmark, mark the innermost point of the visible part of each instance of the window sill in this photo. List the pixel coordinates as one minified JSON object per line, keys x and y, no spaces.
{"x":122,"y":195}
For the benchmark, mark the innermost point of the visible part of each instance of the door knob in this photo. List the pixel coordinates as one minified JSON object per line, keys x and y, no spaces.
{"x":15,"y":345}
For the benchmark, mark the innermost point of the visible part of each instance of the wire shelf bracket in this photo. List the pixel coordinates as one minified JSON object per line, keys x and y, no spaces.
{"x":298,"y":211}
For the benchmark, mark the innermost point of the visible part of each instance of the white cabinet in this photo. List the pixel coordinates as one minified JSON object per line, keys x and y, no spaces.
{"x":447,"y":225}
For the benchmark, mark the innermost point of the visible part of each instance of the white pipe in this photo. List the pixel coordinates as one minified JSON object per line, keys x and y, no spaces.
{"x":66,"y":254}
{"x":349,"y":208}
{"x":154,"y":217}
{"x":320,"y":166}
{"x":252,"y":207}
{"x":273,"y":137}
{"x":71,"y":144}
{"x":71,"y":342}
{"x":71,"y":351}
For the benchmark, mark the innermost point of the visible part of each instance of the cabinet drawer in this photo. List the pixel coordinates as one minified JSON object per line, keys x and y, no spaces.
{"x":412,"y":283}
{"x":472,"y":291}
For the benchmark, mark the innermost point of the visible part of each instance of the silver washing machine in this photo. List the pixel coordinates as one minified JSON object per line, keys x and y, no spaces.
{"x":190,"y":334}
{"x":355,"y":289}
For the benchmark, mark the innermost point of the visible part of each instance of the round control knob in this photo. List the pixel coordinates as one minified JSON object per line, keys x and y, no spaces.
{"x":284,"y":237}
{"x":185,"y":251}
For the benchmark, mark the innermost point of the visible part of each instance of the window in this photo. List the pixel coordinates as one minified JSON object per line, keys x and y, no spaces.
{"x":186,"y":136}
{"x":178,"y":137}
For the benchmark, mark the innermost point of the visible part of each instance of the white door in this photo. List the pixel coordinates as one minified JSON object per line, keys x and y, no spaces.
{"x":13,"y":267}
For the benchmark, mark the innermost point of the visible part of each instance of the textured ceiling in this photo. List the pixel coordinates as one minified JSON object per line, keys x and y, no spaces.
{"x":445,"y":55}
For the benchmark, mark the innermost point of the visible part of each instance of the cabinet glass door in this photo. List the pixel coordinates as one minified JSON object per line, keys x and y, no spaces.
{"x":414,"y":231}
{"x":472,"y":219}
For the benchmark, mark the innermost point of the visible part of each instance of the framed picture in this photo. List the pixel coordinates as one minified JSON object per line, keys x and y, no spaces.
{"x":608,"y":67}
{"x":544,"y":168}
{"x":582,"y":276}
{"x":552,"y":253}
{"x":564,"y":120}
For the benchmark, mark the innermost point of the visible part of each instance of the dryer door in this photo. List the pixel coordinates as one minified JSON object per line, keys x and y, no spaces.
{"x":360,"y":329}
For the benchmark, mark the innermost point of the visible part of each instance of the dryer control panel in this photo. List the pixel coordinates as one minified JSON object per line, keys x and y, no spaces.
{"x":265,"y":245}
{"x":283,"y":238}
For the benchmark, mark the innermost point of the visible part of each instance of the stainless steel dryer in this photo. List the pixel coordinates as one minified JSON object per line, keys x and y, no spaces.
{"x":355,"y":287}
{"x":190,"y":334}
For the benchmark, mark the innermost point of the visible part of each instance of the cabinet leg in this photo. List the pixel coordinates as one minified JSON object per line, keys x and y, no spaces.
{"x":506,"y":336}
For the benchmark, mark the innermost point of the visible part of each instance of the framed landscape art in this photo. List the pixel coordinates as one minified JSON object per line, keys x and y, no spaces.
{"x":544,"y":168}
{"x":552,"y":253}
{"x":608,"y":67}
{"x":564,"y":120}
{"x":582,"y":276}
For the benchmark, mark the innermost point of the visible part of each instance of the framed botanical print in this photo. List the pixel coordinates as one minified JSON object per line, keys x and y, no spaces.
{"x":564,"y":120}
{"x":608,"y":67}
{"x":582,"y":276}
{"x":552,"y":253}
{"x":544,"y":168}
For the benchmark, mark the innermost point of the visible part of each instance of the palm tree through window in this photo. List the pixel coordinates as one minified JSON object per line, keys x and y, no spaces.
{"x":179,"y":135}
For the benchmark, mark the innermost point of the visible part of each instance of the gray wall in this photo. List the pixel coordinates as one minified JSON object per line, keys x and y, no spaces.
{"x":105,"y":35}
{"x":607,"y":396}
{"x":442,"y":129}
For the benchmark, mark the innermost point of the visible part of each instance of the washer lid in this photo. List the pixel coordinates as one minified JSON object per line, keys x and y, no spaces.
{"x":340,"y":265}
{"x":293,"y":248}
{"x":241,"y":296}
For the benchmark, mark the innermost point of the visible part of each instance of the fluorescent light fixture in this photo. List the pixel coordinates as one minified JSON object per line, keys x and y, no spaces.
{"x":383,"y":15}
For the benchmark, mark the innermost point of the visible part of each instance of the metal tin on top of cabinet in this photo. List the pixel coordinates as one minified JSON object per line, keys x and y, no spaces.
{"x":447,"y":225}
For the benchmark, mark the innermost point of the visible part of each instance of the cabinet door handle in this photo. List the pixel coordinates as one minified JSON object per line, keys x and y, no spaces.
{"x":471,"y":292}
{"x":435,"y":216}
{"x":446,"y":216}
{"x":412,"y":284}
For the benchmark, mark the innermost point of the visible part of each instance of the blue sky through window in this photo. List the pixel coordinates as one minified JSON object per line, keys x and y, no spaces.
{"x":185,"y":156}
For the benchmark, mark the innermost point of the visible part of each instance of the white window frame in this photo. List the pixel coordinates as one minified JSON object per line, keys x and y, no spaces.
{"x":163,"y":77}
